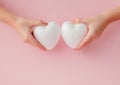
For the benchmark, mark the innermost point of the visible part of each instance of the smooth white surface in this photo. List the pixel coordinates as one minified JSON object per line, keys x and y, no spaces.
{"x":73,"y":33}
{"x":48,"y":35}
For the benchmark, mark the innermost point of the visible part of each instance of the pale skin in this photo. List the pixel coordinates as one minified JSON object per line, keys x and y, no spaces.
{"x":96,"y":25}
{"x":24,"y":27}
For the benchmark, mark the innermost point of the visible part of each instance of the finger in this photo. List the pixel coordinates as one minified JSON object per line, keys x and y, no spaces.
{"x":33,"y":40}
{"x":32,"y":43}
{"x":27,"y":40}
{"x":39,"y":23}
{"x":87,"y":43}
{"x":43,"y":22}
{"x":78,"y":20}
{"x":86,"y":40}
{"x":36,"y":43}
{"x":38,"y":46}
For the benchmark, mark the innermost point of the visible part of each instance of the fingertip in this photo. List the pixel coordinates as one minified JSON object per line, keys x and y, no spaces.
{"x":43,"y":49}
{"x":43,"y":22}
{"x":81,"y":45}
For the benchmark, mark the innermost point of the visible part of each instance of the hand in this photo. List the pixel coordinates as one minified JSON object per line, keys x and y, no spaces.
{"x":25,"y":28}
{"x":96,"y":26}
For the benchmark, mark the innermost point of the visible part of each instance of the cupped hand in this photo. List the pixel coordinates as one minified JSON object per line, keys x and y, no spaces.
{"x":96,"y":26}
{"x":25,"y":28}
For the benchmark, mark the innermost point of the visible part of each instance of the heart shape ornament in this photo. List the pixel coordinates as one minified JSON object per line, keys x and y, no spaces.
{"x":49,"y":35}
{"x":73,"y":34}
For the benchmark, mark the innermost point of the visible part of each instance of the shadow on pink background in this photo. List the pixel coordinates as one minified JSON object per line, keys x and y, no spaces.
{"x":96,"y":64}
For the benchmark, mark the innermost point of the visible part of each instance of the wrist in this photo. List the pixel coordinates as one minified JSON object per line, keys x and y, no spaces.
{"x":107,"y":18}
{"x":7,"y":17}
{"x":103,"y":20}
{"x":112,"y":15}
{"x":11,"y":20}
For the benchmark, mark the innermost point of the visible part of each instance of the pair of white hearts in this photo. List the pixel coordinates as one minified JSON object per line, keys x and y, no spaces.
{"x":49,"y":35}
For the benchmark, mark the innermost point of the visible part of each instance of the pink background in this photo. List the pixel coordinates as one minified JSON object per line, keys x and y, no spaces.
{"x":96,"y":64}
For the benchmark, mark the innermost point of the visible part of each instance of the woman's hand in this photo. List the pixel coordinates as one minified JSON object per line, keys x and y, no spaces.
{"x":96,"y":26}
{"x":25,"y":28}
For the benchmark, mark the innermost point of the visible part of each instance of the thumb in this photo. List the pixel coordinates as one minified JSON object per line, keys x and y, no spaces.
{"x":39,"y":23}
{"x":88,"y":39}
{"x":43,"y":22}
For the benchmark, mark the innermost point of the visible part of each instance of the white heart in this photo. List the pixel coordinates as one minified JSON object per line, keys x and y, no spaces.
{"x":73,"y":34}
{"x":49,"y":35}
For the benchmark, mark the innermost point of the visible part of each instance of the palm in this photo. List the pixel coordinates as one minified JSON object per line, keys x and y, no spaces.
{"x":25,"y":29}
{"x":96,"y":26}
